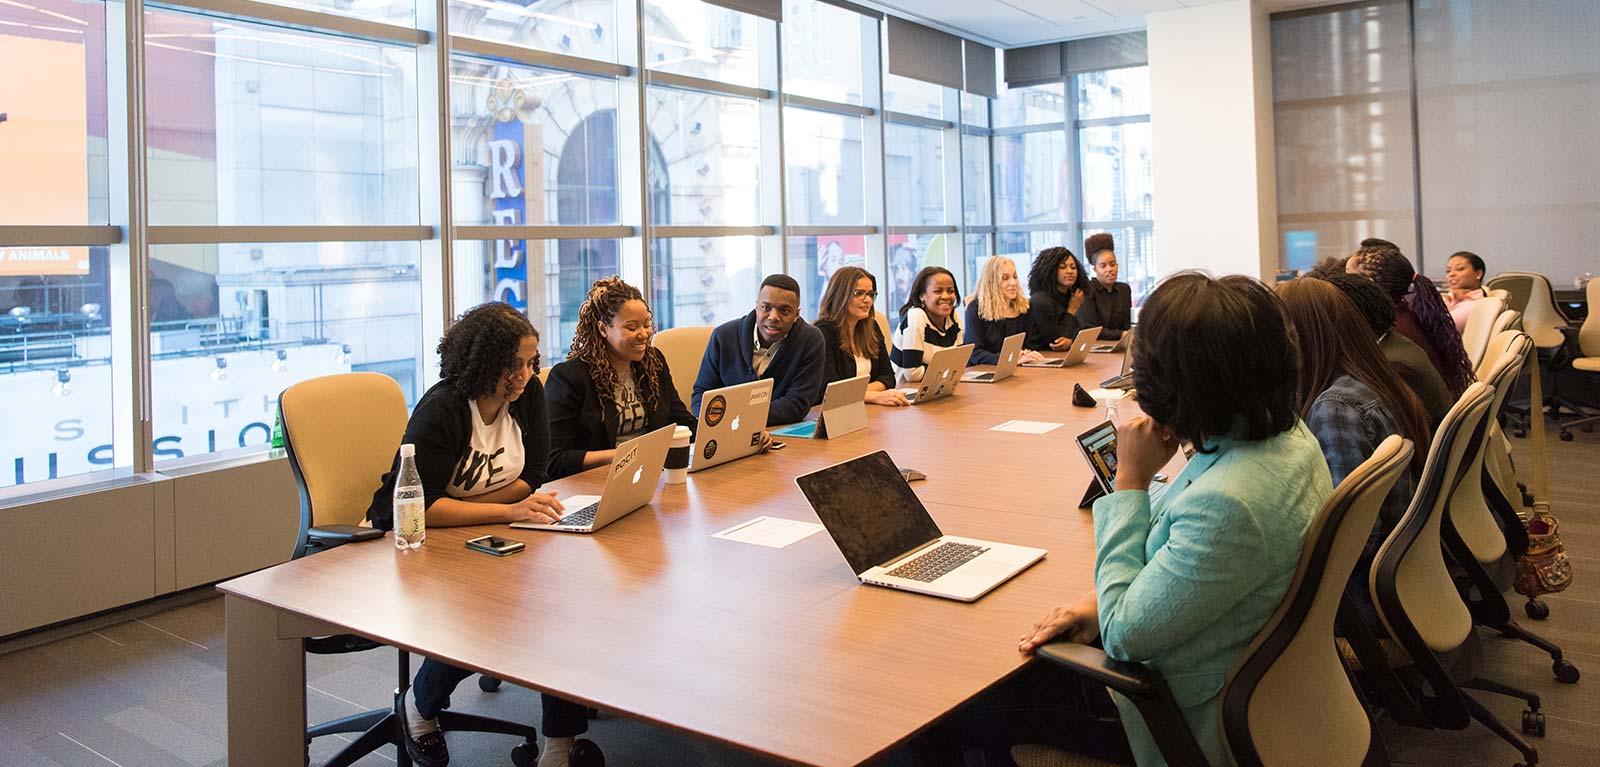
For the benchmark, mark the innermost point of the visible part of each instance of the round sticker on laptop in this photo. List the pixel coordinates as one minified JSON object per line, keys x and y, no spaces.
{"x":711,"y":447}
{"x":715,"y":409}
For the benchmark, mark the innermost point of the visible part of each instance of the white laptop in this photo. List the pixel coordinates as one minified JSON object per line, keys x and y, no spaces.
{"x":890,"y":540}
{"x":1010,"y":350}
{"x":844,"y":410}
{"x":731,"y":422}
{"x":630,"y":484}
{"x":1081,"y":343}
{"x":942,"y":376}
{"x":1124,"y":379}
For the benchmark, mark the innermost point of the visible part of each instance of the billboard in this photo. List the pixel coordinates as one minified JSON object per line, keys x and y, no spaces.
{"x":44,"y":150}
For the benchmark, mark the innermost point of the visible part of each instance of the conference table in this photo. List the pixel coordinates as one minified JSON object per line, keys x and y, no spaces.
{"x":777,"y":651}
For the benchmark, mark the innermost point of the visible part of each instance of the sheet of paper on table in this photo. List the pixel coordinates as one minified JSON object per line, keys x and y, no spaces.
{"x":773,"y":532}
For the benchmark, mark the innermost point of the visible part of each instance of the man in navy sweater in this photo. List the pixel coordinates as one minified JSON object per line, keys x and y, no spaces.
{"x":770,"y":342}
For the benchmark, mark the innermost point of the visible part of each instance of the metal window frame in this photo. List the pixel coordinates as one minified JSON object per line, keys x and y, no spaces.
{"x":250,"y":11}
{"x":218,"y":235}
{"x":831,"y":107}
{"x":826,"y":231}
{"x":533,"y":57}
{"x":58,"y":236}
{"x":679,"y":231}
{"x":702,"y":85}
{"x":490,"y":233}
{"x":901,"y":118}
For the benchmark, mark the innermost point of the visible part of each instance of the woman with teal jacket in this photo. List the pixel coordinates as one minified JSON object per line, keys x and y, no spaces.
{"x":1186,"y":583}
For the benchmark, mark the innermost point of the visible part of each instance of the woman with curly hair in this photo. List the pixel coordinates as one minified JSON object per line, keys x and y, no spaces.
{"x":1419,"y":312}
{"x":613,"y":386}
{"x":997,"y":310}
{"x":482,"y":446}
{"x":852,"y":343}
{"x":1058,"y":285}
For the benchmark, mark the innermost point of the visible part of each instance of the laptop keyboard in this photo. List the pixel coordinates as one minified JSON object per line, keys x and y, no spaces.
{"x":942,"y":559}
{"x":984,"y":376}
{"x":581,"y":518}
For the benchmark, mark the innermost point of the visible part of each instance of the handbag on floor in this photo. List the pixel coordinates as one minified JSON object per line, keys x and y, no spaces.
{"x":1544,"y":569}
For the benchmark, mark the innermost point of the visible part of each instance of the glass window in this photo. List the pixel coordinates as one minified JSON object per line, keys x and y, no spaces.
{"x":1033,"y":105}
{"x":908,"y":253}
{"x":1113,"y":93}
{"x":978,"y":248}
{"x":262,"y":126}
{"x":823,"y":154}
{"x":914,"y":173}
{"x":704,"y":156}
{"x":976,"y":197}
{"x":1031,"y":177}
{"x":499,"y":113}
{"x":822,"y":51}
{"x":688,"y":37}
{"x":547,"y":279}
{"x":583,"y":28}
{"x":703,"y":280}
{"x":913,"y":97}
{"x":1023,"y":246}
{"x":232,"y":325}
{"x":974,"y":110}
{"x":54,"y":133}
{"x":812,"y":260}
{"x":1114,"y":162}
{"x":400,"y":12}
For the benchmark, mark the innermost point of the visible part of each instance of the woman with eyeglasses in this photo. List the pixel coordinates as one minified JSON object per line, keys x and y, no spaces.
{"x":852,"y":343}
{"x":482,"y":442}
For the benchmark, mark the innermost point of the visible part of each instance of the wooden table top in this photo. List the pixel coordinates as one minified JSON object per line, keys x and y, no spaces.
{"x":779,"y":651}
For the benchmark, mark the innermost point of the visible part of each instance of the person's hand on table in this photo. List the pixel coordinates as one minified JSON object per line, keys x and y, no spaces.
{"x":888,"y":398}
{"x":1029,"y":355}
{"x":766,"y":441}
{"x":1143,"y":447}
{"x":1076,"y":622}
{"x":537,"y":507}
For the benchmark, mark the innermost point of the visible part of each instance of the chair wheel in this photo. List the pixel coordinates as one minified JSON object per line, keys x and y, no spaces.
{"x":488,"y":683}
{"x":1536,"y":609}
{"x":1532,"y":723}
{"x":1566,"y":436}
{"x":1566,"y":673}
{"x":1519,"y":432}
{"x":524,"y":754}
{"x":585,"y":753}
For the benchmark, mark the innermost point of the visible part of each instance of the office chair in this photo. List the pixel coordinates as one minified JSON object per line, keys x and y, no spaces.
{"x":1481,"y":318}
{"x":1484,"y":534}
{"x":883,"y":325}
{"x":683,"y":348}
{"x":1287,"y":701}
{"x":1417,"y":601}
{"x":1589,"y":361}
{"x":341,"y":433}
{"x":1543,"y":321}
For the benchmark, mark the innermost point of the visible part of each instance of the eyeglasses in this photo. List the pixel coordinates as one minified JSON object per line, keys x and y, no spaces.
{"x":872,"y":294}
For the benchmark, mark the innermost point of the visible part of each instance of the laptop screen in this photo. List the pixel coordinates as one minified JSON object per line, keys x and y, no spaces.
{"x":869,"y":510}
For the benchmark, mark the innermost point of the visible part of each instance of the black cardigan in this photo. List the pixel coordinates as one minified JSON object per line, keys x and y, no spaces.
{"x":988,"y":336}
{"x":839,"y":365}
{"x":580,"y":424}
{"x":1051,"y":319}
{"x":1110,"y":308}
{"x":441,"y":429}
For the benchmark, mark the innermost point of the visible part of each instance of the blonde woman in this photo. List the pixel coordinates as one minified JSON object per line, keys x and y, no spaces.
{"x":998,"y":309}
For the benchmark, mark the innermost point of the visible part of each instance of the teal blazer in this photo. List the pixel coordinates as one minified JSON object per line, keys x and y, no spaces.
{"x":1185,"y":586}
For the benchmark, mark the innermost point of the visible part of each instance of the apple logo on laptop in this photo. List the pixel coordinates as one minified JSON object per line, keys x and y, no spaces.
{"x":637,"y":473}
{"x":735,"y":425}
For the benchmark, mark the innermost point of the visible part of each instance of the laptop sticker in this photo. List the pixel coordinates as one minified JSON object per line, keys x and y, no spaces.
{"x":715,"y":410}
{"x":760,"y":395}
{"x":711,"y":449}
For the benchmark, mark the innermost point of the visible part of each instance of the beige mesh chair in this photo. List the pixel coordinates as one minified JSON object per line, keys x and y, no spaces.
{"x":1417,"y":599}
{"x":1508,"y":320}
{"x":1288,"y":700}
{"x":342,"y":433}
{"x":1589,"y":350}
{"x":883,"y":325}
{"x":683,"y":348}
{"x":1481,"y":318}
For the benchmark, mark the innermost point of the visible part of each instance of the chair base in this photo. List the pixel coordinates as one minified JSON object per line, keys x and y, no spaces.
{"x":1530,"y":755}
{"x":381,"y":727}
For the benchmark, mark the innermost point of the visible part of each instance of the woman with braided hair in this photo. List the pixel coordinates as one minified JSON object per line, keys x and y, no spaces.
{"x":613,"y":386}
{"x":1419,"y":312}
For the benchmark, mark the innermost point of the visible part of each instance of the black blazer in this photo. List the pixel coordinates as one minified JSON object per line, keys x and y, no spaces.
{"x":838,"y":365}
{"x":580,"y":424}
{"x":1111,"y":309}
{"x":441,"y":429}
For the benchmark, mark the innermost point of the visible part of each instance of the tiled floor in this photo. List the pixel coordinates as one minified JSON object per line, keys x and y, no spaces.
{"x":149,"y":692}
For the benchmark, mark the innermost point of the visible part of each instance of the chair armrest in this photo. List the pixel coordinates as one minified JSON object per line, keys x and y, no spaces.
{"x":329,"y":536}
{"x":1134,"y":680}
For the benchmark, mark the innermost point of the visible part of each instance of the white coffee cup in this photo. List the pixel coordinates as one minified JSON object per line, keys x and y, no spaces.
{"x":678,"y":457}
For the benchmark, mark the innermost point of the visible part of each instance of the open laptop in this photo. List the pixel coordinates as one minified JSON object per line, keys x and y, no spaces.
{"x":731,"y":421}
{"x":1079,"y":350}
{"x":1115,"y":346}
{"x":1010,"y":350}
{"x":890,"y":540}
{"x":1124,"y":379}
{"x":844,"y":410}
{"x":1099,"y":448}
{"x":630,"y":484}
{"x":942,"y":376}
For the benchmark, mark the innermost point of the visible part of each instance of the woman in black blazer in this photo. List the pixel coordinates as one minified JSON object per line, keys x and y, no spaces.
{"x":852,"y":342}
{"x":614,"y":385}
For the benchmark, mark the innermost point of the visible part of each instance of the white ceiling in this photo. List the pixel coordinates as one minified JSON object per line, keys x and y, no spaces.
{"x":1013,"y":23}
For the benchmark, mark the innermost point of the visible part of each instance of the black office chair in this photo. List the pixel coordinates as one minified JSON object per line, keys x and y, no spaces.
{"x":341,"y":433}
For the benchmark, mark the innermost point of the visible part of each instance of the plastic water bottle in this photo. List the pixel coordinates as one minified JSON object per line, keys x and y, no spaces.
{"x":1111,"y":412}
{"x":410,"y":529}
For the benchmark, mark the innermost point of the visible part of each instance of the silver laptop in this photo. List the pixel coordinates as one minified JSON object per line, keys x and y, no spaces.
{"x":1115,"y":346}
{"x":1124,"y":379}
{"x":1081,"y":343}
{"x":890,"y":540}
{"x":731,"y":422}
{"x":1010,"y":350}
{"x":630,"y":484}
{"x":844,"y":410}
{"x":942,"y":376}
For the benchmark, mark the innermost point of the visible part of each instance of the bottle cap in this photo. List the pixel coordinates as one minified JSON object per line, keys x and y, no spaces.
{"x":408,"y":450}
